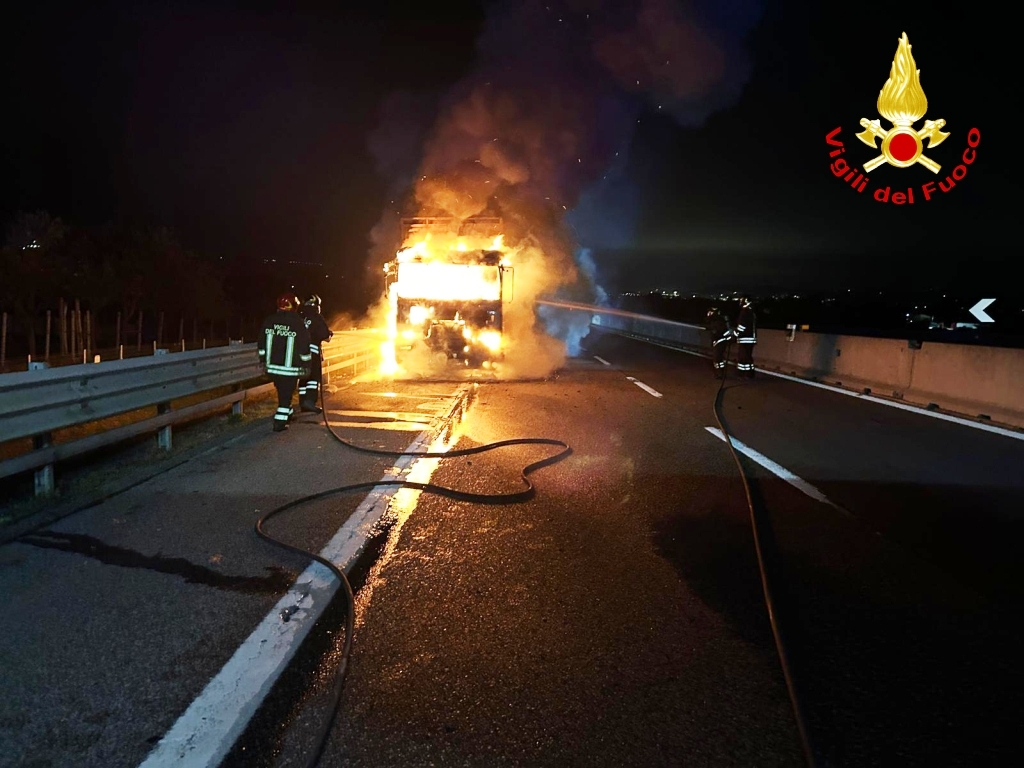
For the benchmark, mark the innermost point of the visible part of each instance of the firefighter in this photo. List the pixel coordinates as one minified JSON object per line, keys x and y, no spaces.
{"x":721,"y":334}
{"x":746,"y":338}
{"x":309,"y":390}
{"x":284,"y":351}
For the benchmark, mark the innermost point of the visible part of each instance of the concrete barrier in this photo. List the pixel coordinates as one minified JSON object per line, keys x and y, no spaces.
{"x":986,"y":383}
{"x":981,"y":382}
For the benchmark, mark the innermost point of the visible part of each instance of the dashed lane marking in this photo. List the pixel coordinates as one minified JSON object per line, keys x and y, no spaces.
{"x":644,"y":387}
{"x":778,"y":470}
{"x":601,"y":360}
{"x":919,"y":410}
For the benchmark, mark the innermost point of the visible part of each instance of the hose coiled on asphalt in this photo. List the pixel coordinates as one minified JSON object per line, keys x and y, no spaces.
{"x":514,"y":497}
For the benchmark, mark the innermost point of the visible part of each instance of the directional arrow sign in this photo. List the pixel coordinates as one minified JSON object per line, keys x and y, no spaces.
{"x":978,"y":310}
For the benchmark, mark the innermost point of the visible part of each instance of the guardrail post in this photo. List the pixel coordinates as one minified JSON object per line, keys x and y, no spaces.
{"x":44,"y":475}
{"x":237,"y":407}
{"x":163,"y":437}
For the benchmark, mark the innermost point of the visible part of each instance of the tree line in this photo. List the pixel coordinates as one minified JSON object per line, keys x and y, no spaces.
{"x":119,"y":274}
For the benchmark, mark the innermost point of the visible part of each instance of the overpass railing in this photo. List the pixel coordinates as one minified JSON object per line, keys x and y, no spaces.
{"x":37,"y":403}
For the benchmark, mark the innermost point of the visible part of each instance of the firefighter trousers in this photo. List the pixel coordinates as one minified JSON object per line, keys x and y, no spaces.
{"x":745,"y":360}
{"x":285,"y":386}
{"x":720,"y":354}
{"x":309,"y":390}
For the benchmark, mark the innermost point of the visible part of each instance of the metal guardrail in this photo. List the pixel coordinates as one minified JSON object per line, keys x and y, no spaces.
{"x":37,"y":403}
{"x":639,"y":326}
{"x":340,"y":356}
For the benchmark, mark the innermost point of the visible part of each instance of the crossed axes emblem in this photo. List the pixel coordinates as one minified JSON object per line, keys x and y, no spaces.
{"x":930,"y":130}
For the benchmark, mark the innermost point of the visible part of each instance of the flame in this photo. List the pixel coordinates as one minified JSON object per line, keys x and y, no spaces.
{"x":490,"y":339}
{"x":439,"y":266}
{"x":902,"y":100}
{"x":388,"y":361}
{"x":450,"y":269}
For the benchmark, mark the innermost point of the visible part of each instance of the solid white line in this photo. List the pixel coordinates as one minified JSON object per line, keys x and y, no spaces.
{"x":209,"y":728}
{"x":777,"y":470}
{"x":644,"y":387}
{"x":920,"y":410}
{"x":902,"y":406}
{"x":601,"y":360}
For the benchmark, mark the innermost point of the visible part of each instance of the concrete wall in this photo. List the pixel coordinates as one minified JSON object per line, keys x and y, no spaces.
{"x":970,"y":380}
{"x":677,"y":334}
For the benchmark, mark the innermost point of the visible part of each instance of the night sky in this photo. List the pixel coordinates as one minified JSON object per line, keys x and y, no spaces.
{"x":259,"y":133}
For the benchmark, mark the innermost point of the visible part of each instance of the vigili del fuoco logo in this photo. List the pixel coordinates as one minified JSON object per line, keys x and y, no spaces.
{"x":902,"y":102}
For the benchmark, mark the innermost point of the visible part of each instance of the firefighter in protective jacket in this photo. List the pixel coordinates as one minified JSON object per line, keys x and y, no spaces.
{"x":746,"y":338}
{"x":309,"y":390}
{"x":721,"y":334}
{"x":284,"y":351}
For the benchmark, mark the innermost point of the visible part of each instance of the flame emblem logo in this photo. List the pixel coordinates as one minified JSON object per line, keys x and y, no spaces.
{"x":902,"y":102}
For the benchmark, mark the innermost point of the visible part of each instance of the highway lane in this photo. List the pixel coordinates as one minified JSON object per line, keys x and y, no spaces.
{"x":119,"y":615}
{"x":578,"y":628}
{"x":903,"y":603}
{"x":618,"y":619}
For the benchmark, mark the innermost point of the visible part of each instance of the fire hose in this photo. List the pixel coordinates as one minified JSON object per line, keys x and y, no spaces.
{"x":769,"y":600}
{"x":514,"y":497}
{"x":526,"y":493}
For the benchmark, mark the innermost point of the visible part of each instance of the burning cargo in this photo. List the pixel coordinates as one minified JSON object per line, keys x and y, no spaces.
{"x":447,"y":288}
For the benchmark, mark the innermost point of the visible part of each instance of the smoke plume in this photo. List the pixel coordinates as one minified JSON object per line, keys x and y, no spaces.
{"x":546,"y":115}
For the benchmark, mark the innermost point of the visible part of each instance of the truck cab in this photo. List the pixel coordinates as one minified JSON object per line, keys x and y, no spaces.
{"x":448,"y":292}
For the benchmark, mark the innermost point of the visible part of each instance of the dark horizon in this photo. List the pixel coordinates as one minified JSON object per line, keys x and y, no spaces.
{"x":252,"y":135}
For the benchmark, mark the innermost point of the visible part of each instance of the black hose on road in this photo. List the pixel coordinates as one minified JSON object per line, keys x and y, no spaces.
{"x":780,"y":645}
{"x":514,"y":497}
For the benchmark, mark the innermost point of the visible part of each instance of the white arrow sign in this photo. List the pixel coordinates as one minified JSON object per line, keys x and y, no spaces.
{"x":978,"y":310}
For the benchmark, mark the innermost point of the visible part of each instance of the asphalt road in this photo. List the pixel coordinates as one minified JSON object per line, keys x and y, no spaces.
{"x":118,"y":616}
{"x":617,"y":618}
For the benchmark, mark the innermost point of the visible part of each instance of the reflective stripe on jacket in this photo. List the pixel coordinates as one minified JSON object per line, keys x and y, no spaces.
{"x":284,"y":345}
{"x":746,"y":326}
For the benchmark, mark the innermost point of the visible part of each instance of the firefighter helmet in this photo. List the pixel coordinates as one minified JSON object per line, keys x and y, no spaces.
{"x":288,"y":302}
{"x":314,"y":302}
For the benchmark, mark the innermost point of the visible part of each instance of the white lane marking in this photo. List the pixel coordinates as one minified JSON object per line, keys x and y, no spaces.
{"x":902,"y":406}
{"x":209,"y":728}
{"x":920,"y":410}
{"x":777,"y":470}
{"x":601,"y":360}
{"x":644,"y":387}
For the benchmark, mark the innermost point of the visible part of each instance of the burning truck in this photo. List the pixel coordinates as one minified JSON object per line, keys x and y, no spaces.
{"x":447,"y":289}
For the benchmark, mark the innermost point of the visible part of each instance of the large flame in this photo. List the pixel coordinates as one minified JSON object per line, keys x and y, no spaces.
{"x":902,"y":100}
{"x":450,"y":268}
{"x":437,"y":266}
